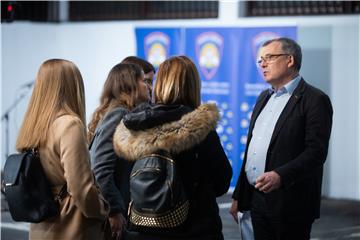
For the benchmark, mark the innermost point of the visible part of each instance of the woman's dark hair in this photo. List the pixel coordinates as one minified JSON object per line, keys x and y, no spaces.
{"x":121,"y":88}
{"x":145,"y":65}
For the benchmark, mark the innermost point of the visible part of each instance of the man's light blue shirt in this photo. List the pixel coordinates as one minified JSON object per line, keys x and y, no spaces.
{"x":264,"y":128}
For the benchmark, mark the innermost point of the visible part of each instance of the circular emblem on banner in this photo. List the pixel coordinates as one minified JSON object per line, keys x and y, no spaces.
{"x":209,"y":50}
{"x":156,"y":54}
{"x":209,"y":56}
{"x":156,"y":47}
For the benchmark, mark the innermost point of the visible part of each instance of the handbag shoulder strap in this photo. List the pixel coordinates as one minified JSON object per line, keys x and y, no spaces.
{"x":62,"y":193}
{"x":91,"y":143}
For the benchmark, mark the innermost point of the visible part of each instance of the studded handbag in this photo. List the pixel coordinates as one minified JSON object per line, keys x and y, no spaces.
{"x":158,"y":199}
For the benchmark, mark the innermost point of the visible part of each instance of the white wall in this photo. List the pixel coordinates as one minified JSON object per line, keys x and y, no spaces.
{"x":331,"y":62}
{"x":94,"y":47}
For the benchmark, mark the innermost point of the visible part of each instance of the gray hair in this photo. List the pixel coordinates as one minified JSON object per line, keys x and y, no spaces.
{"x":290,"y":47}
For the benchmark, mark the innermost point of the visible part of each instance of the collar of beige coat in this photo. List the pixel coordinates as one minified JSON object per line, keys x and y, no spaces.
{"x":174,"y":137}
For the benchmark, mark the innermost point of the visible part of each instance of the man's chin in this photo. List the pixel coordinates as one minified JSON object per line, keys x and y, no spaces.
{"x":268,"y":80}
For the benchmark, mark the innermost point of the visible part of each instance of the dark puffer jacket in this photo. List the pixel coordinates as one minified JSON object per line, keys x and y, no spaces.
{"x":183,"y":132}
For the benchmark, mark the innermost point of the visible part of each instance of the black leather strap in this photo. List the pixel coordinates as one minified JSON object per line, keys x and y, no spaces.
{"x":62,"y":193}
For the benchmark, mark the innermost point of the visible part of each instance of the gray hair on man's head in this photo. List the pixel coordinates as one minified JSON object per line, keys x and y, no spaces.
{"x":290,"y":47}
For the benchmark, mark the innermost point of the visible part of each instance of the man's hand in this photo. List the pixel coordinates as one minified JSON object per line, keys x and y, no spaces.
{"x":234,"y":210}
{"x":268,"y":182}
{"x":116,"y":223}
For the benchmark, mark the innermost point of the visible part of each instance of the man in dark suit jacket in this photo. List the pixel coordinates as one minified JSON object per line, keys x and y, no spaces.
{"x":287,"y":145}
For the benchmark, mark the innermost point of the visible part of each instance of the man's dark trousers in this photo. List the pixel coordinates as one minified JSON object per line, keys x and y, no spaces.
{"x":268,"y":226}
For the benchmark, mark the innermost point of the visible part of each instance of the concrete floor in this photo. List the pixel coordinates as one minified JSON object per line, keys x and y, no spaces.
{"x":340,"y":219}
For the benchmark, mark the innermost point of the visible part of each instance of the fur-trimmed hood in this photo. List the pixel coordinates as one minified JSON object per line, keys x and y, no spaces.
{"x":174,"y":137}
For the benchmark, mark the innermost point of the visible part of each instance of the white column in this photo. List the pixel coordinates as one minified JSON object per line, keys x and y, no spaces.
{"x":344,"y":145}
{"x":228,"y":10}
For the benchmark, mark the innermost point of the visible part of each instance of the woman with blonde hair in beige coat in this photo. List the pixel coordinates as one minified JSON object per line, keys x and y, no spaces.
{"x":55,"y":124}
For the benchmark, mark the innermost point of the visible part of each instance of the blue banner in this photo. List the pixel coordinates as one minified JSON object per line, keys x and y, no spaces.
{"x":157,"y":44}
{"x":213,"y":50}
{"x":226,"y":60}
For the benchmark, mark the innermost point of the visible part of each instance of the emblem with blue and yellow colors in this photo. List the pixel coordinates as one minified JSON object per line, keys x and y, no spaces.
{"x":209,"y":51}
{"x":157,"y":48}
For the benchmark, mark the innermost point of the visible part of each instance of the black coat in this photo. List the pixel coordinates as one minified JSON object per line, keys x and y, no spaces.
{"x":184,"y":133}
{"x":297,"y":152}
{"x":111,"y":172}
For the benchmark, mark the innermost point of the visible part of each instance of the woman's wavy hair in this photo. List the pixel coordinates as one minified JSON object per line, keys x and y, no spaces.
{"x":58,"y":89}
{"x":178,"y":82}
{"x":121,"y":88}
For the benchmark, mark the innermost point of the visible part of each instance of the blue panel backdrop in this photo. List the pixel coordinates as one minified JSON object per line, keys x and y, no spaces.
{"x":157,"y":44}
{"x":216,"y":52}
{"x":226,"y":60}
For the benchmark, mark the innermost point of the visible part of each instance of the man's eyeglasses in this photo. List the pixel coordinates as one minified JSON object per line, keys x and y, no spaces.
{"x":148,"y":81}
{"x":269,"y":58}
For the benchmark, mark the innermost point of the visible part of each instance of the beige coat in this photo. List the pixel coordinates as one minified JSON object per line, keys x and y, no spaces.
{"x":65,"y":159}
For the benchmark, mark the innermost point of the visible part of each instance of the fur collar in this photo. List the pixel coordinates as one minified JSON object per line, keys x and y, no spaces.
{"x":174,"y":137}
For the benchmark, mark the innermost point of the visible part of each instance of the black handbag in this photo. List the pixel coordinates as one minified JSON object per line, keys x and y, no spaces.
{"x":158,"y":198}
{"x":27,"y":190}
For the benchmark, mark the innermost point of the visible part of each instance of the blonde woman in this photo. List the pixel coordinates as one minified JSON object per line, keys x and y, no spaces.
{"x":124,"y":88}
{"x":55,"y":124}
{"x":178,"y":124}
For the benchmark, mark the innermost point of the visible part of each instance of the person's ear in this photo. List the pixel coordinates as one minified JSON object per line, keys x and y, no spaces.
{"x":291,"y":61}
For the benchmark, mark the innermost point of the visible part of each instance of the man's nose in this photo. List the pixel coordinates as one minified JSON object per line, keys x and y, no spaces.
{"x":263,"y":64}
